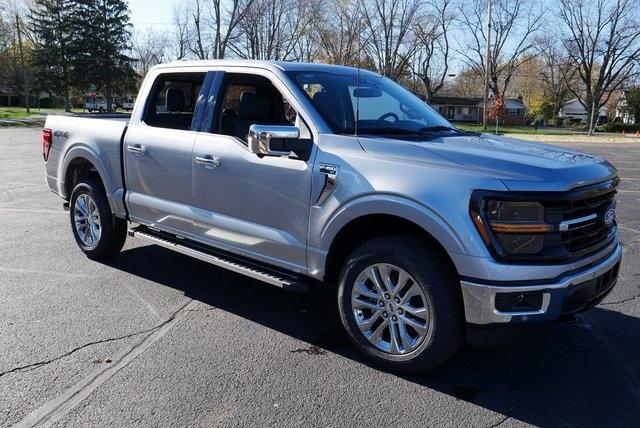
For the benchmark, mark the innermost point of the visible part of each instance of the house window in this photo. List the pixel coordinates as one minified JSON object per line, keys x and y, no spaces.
{"x":512,"y":112}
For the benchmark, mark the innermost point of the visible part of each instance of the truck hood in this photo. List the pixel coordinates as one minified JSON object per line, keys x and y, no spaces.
{"x":520,"y":165}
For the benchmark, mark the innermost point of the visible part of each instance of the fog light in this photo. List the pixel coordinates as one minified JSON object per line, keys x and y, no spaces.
{"x":530,"y":301}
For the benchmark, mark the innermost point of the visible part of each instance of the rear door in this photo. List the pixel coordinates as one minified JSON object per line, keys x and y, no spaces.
{"x":158,"y":150}
{"x":256,"y":206}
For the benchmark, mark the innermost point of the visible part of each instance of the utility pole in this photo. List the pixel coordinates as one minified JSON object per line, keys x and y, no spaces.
{"x":593,"y":112}
{"x":485,"y":105}
{"x":25,"y":80}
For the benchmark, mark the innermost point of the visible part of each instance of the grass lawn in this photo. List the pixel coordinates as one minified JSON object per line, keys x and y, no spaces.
{"x":514,"y":129}
{"x":20,"y":112}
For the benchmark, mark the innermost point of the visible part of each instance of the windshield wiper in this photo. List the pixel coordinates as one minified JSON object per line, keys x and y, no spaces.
{"x":437,"y":128}
{"x":388,"y":130}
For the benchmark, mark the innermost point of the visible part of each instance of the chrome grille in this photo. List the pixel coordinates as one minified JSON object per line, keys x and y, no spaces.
{"x":591,"y":234}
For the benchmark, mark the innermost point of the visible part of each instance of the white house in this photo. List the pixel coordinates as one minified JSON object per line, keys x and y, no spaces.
{"x":467,"y":109}
{"x":623,"y":115}
{"x":573,"y":110}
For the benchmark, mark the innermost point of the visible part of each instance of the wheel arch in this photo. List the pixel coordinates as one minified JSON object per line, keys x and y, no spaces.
{"x":364,"y":220}
{"x":82,"y":162}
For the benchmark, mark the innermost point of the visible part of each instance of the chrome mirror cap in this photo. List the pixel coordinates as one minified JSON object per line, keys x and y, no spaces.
{"x":260,"y":137}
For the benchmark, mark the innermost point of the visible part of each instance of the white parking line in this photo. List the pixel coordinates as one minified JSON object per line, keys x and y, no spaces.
{"x":47,"y":272}
{"x":32,"y":210}
{"x":53,"y":410}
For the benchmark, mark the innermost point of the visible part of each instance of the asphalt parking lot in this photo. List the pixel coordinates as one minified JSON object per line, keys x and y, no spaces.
{"x":156,"y":338}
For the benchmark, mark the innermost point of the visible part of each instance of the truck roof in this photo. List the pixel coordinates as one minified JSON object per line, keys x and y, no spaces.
{"x":271,"y":65}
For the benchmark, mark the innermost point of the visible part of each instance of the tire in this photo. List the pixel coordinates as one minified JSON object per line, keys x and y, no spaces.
{"x":424,"y":345}
{"x":109,"y":236}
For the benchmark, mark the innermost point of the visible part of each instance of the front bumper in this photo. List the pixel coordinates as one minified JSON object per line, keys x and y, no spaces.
{"x":572,"y":293}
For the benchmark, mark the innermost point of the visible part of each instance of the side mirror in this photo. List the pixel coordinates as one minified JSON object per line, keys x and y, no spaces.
{"x":260,"y":138}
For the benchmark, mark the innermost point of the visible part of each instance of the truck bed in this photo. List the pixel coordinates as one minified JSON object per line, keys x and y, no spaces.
{"x":97,"y":139}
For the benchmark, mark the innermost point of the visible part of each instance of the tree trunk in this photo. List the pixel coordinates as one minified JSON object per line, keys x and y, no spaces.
{"x":25,"y":80}
{"x":109,"y":95}
{"x":65,"y":89}
{"x":67,"y":102}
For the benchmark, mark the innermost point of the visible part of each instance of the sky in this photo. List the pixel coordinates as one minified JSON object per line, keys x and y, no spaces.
{"x":151,"y":13}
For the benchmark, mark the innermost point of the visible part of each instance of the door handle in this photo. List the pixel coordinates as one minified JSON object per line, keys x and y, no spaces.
{"x":208,"y":161}
{"x":137,"y":149}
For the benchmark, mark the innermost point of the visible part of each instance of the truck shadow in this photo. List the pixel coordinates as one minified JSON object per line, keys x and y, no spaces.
{"x":567,"y":375}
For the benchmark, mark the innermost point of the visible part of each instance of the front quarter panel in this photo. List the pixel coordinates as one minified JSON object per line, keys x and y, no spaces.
{"x":433,"y":194}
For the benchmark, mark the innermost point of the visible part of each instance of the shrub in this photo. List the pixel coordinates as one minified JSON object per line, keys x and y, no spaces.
{"x":619,"y":127}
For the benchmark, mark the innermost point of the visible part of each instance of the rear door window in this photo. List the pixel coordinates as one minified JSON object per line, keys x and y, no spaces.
{"x":172,"y":100}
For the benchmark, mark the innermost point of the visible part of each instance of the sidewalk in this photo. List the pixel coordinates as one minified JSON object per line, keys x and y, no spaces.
{"x":37,"y":120}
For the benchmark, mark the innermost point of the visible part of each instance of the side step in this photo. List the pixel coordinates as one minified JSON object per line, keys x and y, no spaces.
{"x":255,"y":270}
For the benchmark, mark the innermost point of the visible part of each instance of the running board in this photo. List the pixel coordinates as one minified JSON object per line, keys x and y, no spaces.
{"x":279,"y":278}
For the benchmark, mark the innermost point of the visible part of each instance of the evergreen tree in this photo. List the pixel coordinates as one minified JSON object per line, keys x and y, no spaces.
{"x":54,"y":52}
{"x":104,"y":37}
{"x":633,"y":103}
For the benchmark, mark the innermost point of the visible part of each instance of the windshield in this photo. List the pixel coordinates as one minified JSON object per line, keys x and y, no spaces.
{"x":368,"y":104}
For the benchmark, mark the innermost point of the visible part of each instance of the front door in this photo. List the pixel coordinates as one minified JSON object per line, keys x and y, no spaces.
{"x":255,"y":206}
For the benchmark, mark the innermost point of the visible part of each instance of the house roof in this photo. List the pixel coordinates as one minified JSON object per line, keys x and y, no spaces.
{"x":472,"y":102}
{"x":7,"y":90}
{"x":455,"y":101}
{"x":574,"y":107}
{"x":510,"y":103}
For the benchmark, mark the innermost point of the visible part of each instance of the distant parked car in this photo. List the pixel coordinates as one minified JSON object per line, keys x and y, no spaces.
{"x":127,"y":104}
{"x":97,"y":104}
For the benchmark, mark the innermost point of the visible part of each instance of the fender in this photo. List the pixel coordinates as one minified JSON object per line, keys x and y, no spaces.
{"x":420,"y":214}
{"x":92,"y":153}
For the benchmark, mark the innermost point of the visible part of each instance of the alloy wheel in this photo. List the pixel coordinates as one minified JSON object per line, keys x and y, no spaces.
{"x":390,"y":309}
{"x":86,"y":219}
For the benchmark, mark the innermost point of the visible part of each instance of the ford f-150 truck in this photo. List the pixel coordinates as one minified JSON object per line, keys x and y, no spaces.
{"x":295,"y":174}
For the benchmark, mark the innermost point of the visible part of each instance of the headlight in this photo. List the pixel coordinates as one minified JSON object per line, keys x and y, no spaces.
{"x":518,"y":227}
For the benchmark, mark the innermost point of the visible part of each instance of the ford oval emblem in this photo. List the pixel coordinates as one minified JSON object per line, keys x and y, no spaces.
{"x":609,"y":216}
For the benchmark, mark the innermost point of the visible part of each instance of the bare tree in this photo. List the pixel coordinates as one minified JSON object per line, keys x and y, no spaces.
{"x":432,"y":53}
{"x":513,"y":28}
{"x":602,"y":37}
{"x":273,"y":29}
{"x":225,"y":21}
{"x":468,"y":83}
{"x":387,"y":33}
{"x":198,"y":45}
{"x":338,"y":32}
{"x":182,"y":35}
{"x":149,"y":48}
{"x":557,"y":74}
{"x":206,"y":28}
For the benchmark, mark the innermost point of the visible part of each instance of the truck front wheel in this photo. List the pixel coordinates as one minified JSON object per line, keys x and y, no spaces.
{"x":399,"y":305}
{"x":97,"y":231}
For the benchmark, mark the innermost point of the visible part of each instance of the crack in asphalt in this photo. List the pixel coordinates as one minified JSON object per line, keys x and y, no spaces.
{"x":503,"y":420}
{"x":39,"y":364}
{"x":620,"y":301}
{"x":52,"y":411}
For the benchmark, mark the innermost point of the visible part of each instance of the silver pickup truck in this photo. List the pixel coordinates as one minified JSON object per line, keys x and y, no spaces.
{"x":306,"y":173}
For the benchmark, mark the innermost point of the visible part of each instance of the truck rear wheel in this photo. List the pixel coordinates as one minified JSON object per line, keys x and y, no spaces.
{"x":399,"y":305}
{"x":97,"y":231}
